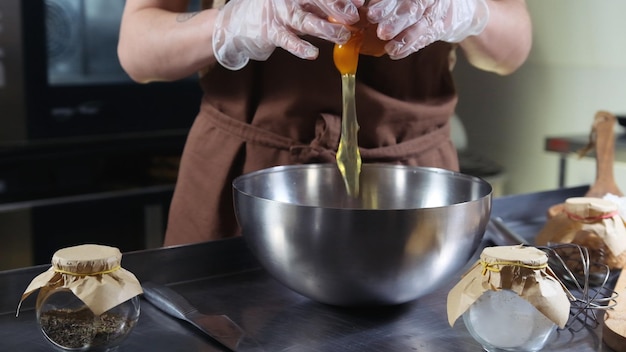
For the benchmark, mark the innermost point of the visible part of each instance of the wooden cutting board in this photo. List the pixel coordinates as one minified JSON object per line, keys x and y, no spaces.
{"x":614,"y":331}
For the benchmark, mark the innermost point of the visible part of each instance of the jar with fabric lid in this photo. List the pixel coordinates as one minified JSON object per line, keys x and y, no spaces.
{"x":86,"y":300}
{"x":593,"y":223}
{"x":510,"y":300}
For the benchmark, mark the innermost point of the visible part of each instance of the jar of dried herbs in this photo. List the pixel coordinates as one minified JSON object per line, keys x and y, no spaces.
{"x":510,"y":300}
{"x":86,"y":300}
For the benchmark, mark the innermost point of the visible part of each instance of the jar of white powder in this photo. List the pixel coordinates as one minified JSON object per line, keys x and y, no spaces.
{"x":510,"y":300}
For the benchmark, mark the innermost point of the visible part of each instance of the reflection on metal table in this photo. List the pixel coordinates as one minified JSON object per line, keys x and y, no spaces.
{"x":222,"y":277}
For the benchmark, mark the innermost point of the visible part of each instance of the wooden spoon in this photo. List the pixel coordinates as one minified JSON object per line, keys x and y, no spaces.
{"x":602,"y":138}
{"x":614,"y":330}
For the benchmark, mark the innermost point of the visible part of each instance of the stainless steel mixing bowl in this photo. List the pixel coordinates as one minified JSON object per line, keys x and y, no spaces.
{"x":407,"y":233}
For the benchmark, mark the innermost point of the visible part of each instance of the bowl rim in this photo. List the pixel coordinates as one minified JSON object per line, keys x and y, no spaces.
{"x":274,"y":169}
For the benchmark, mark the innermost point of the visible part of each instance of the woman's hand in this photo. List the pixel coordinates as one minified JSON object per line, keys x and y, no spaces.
{"x":252,"y":29}
{"x":410,"y":25}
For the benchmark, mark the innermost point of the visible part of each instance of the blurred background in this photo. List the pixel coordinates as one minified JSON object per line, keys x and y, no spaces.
{"x":577,"y":66}
{"x":86,"y":155}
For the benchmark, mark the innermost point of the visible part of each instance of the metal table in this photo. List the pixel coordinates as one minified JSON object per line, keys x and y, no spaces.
{"x":566,"y":146}
{"x":223,"y":277}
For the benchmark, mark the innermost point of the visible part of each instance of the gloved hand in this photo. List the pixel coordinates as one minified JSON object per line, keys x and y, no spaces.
{"x":410,"y":25}
{"x":252,"y":29}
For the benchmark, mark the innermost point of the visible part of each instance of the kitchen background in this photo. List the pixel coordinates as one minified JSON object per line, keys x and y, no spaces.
{"x":114,"y":187}
{"x":577,"y":66}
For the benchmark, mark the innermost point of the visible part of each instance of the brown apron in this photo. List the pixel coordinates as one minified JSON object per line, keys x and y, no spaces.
{"x":287,"y":111}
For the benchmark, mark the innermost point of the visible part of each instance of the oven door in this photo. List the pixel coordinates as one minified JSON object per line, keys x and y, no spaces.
{"x":127,"y":219}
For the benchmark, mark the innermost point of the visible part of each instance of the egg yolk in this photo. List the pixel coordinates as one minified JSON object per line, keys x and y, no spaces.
{"x":346,"y":56}
{"x":364,"y":41}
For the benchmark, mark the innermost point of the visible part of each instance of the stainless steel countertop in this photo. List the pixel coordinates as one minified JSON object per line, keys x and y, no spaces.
{"x":222,"y":277}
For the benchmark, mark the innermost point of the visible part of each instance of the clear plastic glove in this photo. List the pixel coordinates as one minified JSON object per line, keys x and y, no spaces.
{"x":410,"y":25}
{"x":252,"y":29}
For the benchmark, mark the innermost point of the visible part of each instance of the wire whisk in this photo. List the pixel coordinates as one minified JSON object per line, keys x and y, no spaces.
{"x":586,"y":280}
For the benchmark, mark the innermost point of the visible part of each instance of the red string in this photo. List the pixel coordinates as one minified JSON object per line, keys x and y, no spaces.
{"x":591,"y":218}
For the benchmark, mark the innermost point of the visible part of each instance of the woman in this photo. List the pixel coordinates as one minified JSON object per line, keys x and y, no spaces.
{"x":272,"y":95}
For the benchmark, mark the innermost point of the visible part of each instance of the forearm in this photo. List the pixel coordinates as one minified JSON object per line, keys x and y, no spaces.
{"x":506,"y":41}
{"x":163,"y":45}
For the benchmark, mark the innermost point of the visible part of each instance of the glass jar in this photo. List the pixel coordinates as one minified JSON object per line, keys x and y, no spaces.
{"x":86,"y":301}
{"x":593,"y":223}
{"x":69,"y":324}
{"x":527,"y":329}
{"x":510,"y":300}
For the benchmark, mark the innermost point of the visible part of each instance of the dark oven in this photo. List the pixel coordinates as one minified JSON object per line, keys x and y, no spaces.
{"x":60,"y":76}
{"x":86,"y":154}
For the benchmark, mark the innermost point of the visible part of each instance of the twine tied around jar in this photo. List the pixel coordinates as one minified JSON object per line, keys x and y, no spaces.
{"x":496,"y":266}
{"x":67,"y":272}
{"x":92,"y":272}
{"x":593,"y":218}
{"x":523,"y":270}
